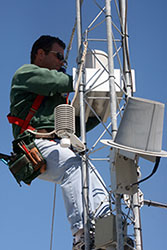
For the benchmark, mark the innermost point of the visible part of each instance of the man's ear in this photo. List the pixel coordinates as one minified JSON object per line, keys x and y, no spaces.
{"x":40,"y":54}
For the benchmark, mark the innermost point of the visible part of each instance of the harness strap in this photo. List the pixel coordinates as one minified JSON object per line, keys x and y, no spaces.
{"x":24,"y":124}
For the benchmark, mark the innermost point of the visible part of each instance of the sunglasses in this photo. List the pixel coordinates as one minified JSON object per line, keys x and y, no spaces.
{"x":59,"y":55}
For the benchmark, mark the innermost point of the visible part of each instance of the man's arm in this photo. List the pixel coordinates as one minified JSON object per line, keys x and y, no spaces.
{"x":41,"y":81}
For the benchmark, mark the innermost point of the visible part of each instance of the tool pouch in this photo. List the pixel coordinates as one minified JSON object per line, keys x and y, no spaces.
{"x":26,"y":161}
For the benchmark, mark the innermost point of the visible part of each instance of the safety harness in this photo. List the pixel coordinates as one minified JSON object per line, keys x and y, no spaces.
{"x":24,"y":124}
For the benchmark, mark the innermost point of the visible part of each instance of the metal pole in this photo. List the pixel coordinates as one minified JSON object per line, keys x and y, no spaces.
{"x":128,"y":78}
{"x":85,"y":188}
{"x":125,"y":46}
{"x":79,"y":27}
{"x":137,"y":225}
{"x":111,"y":69}
{"x":113,"y":106}
{"x":155,"y":204}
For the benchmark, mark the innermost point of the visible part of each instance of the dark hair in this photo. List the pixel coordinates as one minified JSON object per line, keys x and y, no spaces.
{"x":45,"y":43}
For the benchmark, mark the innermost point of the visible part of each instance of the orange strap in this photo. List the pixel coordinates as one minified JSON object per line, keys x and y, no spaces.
{"x":67,"y":98}
{"x":24,"y":124}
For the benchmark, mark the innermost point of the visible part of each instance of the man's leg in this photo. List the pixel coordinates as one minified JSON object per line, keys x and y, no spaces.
{"x":72,"y":193}
{"x":64,"y":167}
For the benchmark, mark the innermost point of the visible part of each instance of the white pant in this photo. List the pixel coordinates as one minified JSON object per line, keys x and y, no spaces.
{"x":64,"y":168}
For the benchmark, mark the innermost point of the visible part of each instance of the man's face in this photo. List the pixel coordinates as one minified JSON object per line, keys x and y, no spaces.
{"x":52,"y":60}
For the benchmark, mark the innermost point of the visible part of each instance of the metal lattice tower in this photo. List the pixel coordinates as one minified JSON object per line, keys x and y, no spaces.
{"x":108,"y":31}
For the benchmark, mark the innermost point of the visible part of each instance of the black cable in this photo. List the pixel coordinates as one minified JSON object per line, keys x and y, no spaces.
{"x":5,"y":157}
{"x":157,"y":161}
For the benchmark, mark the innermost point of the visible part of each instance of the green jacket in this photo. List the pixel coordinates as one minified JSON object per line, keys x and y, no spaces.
{"x":30,"y":81}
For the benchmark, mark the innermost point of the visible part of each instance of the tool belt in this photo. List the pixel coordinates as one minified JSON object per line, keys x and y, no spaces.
{"x":26,"y":161}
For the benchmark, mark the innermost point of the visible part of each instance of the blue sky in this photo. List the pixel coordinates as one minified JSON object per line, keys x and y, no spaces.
{"x":26,"y":212}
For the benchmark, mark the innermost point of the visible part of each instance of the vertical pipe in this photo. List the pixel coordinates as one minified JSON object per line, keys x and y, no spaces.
{"x":137,"y":223}
{"x":79,"y":27}
{"x":125,"y":45}
{"x":85,"y":187}
{"x":128,"y":78}
{"x":113,"y":106}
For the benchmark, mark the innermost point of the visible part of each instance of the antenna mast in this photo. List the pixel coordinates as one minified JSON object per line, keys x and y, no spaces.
{"x":113,"y":105}
{"x":111,"y":100}
{"x":128,"y":79}
{"x":85,"y":186}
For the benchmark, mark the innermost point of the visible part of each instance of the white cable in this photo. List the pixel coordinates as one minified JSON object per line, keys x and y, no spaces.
{"x":80,"y":72}
{"x":41,"y":134}
{"x":53,"y":216}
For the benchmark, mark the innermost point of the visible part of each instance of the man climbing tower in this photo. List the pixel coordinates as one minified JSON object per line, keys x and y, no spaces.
{"x":45,"y":77}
